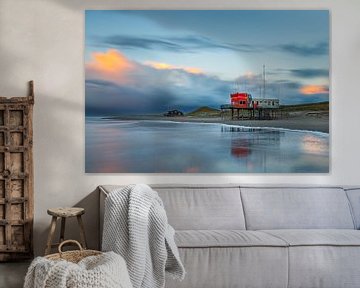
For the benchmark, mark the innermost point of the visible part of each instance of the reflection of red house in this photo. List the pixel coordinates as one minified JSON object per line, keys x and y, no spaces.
{"x":241,"y":100}
{"x":240,"y":148}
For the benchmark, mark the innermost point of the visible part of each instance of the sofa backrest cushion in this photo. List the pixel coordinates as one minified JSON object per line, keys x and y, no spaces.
{"x":296,"y":208}
{"x":354,"y":198}
{"x":203,"y":208}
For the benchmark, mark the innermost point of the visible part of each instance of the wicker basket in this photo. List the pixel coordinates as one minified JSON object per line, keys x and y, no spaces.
{"x":72,"y":256}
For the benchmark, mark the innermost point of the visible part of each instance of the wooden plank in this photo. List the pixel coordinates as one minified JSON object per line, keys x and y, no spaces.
{"x":16,"y":162}
{"x":13,"y":222}
{"x":16,"y":138}
{"x":13,"y":149}
{"x":2,"y":237}
{"x":16,"y":117}
{"x":4,"y":176}
{"x":29,"y":182}
{"x":6,"y":172}
{"x":13,"y":248}
{"x":16,"y":100}
{"x":2,"y":161}
{"x":17,"y":188}
{"x":2,"y":211}
{"x":19,"y":128}
{"x":2,"y":189}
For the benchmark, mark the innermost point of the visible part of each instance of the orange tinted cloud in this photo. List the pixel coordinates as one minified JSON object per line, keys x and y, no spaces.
{"x":110,"y":65}
{"x":314,"y":89}
{"x":159,"y":65}
{"x":166,"y":66}
{"x":193,"y":70}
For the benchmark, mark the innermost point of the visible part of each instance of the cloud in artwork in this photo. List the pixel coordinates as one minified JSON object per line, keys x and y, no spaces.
{"x":197,"y":43}
{"x":317,"y":49}
{"x":111,"y":64}
{"x":108,"y":98}
{"x":186,"y":44}
{"x":166,"y":66}
{"x":150,"y":87}
{"x":125,"y":86}
{"x":288,"y":91}
{"x":309,"y":73}
{"x":302,"y":73}
{"x":314,"y":89}
{"x":142,"y":42}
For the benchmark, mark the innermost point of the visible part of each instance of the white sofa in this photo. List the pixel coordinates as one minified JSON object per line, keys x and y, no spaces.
{"x":248,"y":236}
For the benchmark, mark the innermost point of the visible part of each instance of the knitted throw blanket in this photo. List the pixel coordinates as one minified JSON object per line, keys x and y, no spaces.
{"x":136,"y":227}
{"x":103,"y":271}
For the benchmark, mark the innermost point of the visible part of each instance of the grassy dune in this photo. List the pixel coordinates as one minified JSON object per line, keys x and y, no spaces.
{"x":320,"y":106}
{"x":204,"y":111}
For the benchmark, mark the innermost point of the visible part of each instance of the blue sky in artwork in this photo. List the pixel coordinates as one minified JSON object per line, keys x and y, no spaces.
{"x":140,"y":62}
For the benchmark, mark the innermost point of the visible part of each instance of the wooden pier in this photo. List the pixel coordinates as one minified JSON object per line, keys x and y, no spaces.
{"x":250,"y":113}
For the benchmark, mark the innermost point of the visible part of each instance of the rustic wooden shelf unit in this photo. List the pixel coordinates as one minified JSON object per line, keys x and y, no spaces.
{"x":16,"y":177}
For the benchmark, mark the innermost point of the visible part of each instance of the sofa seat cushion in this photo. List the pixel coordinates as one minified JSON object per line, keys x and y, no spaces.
{"x":225,"y":238}
{"x":317,"y":237}
{"x":233,"y":267}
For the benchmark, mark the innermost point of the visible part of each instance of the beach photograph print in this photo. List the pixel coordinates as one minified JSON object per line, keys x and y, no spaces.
{"x":197,"y":91}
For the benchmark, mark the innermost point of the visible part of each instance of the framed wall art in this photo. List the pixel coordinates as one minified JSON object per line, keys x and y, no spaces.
{"x":195,"y":91}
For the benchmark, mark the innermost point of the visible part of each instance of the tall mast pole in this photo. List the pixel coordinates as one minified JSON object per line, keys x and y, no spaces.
{"x":264,"y":96}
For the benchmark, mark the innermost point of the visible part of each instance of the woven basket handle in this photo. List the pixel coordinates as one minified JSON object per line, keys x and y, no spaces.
{"x":69,"y":241}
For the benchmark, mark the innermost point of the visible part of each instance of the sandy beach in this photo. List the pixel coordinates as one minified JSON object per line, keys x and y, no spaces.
{"x":296,"y":122}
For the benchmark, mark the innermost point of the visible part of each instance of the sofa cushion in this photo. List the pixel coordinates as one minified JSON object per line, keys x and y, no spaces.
{"x":317,"y":237}
{"x":226,"y":238}
{"x":191,"y":207}
{"x":324,"y":266}
{"x":354,"y":198}
{"x":204,"y":208}
{"x":296,"y":208}
{"x":220,"y":267}
{"x":322,"y":258}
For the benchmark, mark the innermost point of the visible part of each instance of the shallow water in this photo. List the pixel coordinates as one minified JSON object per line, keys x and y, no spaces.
{"x":114,"y":146}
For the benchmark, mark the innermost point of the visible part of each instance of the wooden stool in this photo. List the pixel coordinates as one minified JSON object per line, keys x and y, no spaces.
{"x":64,"y":213}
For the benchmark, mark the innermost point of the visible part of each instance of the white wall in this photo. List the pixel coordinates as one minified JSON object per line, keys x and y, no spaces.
{"x":43,"y":40}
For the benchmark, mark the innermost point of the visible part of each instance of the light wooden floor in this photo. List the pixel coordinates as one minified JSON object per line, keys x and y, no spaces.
{"x":12,"y":274}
